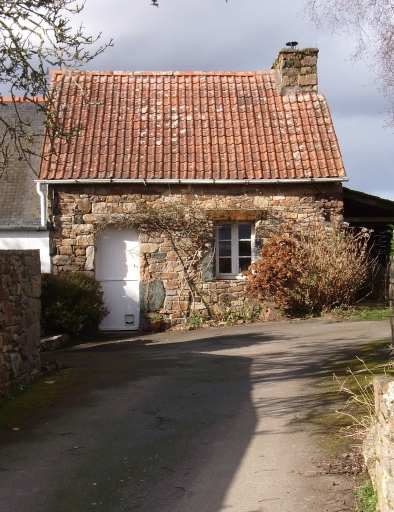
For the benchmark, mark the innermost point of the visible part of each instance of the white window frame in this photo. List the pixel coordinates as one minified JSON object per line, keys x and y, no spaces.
{"x":234,"y":249}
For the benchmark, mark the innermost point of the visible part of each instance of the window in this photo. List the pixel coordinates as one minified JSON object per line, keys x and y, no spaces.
{"x":234,"y":242}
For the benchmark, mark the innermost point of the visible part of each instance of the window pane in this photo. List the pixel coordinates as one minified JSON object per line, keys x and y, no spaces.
{"x":244,"y":232}
{"x":224,"y":265}
{"x":225,"y":232}
{"x":244,"y":263}
{"x":244,"y":248}
{"x":224,"y":248}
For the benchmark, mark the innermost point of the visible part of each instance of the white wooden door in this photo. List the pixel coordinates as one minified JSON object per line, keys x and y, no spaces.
{"x":118,"y":270}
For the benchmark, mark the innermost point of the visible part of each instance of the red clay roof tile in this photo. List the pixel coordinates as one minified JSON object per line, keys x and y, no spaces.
{"x":190,"y":125}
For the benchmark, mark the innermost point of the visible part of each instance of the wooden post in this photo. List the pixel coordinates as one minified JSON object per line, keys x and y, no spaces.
{"x":391,"y":298}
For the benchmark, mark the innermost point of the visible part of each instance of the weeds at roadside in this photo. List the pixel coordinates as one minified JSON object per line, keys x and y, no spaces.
{"x":14,"y":391}
{"x":330,"y":429}
{"x":366,"y":498}
{"x":360,"y":405}
{"x":253,"y":311}
{"x":369,"y":311}
{"x":195,"y":321}
{"x":250,"y":311}
{"x":372,"y":314}
{"x":48,"y":367}
{"x":234,"y":316}
{"x":362,"y":415}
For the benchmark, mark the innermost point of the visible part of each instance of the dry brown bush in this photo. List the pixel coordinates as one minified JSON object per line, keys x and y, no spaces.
{"x":305,"y":273}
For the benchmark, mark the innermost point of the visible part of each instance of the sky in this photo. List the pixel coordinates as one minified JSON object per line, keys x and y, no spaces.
{"x":247,"y":35}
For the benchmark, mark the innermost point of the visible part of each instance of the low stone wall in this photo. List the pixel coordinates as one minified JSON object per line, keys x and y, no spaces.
{"x":20,"y":289}
{"x":391,"y":298}
{"x":384,"y":443}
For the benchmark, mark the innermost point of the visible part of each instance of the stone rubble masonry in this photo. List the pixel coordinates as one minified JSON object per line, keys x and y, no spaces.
{"x":391,"y":298}
{"x":20,"y":290}
{"x":54,"y":342}
{"x":296,"y":70}
{"x":384,"y":443}
{"x":79,"y":208}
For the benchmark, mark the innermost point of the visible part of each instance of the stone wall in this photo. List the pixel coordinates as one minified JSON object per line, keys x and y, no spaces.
{"x":383,"y":478}
{"x":78,"y":209}
{"x":391,"y":298}
{"x":20,"y":289}
{"x":296,"y":70}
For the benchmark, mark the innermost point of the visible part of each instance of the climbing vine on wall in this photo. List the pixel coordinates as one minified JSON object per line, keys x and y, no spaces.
{"x":188,"y":230}
{"x":175,"y":220}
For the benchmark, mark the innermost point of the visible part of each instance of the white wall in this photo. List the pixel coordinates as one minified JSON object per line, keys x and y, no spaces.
{"x":28,"y":240}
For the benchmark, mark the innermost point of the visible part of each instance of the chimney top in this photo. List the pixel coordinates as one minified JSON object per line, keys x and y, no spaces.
{"x":296,"y":70}
{"x":292,"y":44}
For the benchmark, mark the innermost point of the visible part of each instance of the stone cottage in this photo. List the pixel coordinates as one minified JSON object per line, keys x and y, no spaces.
{"x":247,"y":150}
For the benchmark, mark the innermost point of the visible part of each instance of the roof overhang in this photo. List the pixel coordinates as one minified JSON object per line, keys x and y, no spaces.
{"x":363,"y":198}
{"x":367,"y":210}
{"x":17,"y":227}
{"x":287,"y":181}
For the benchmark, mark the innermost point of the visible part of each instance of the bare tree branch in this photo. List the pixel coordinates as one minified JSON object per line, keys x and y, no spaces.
{"x":371,"y":24}
{"x":36,"y":35}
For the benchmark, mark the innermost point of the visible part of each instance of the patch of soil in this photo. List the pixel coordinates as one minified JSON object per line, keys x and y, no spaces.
{"x":351,"y":463}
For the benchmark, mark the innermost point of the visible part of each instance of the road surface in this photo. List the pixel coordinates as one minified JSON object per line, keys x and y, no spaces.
{"x":203,"y":421}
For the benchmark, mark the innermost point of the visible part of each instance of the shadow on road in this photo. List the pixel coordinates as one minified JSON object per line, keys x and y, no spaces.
{"x":131,"y":431}
{"x":137,"y":424}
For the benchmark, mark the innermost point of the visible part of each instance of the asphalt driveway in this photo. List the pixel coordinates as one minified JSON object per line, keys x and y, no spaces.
{"x":205,"y":421}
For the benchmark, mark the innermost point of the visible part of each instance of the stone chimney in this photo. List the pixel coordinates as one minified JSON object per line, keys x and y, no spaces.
{"x":296,"y":70}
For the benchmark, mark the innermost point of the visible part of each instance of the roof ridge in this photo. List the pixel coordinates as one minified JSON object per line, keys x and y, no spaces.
{"x":20,"y":99}
{"x":163,"y":73}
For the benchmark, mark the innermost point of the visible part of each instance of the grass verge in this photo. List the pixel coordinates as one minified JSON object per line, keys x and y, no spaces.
{"x":372,"y":314}
{"x":341,"y":409}
{"x":366,"y":498}
{"x":365,"y":310}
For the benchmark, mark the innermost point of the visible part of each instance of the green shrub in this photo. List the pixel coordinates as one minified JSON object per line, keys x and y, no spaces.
{"x":71,"y":303}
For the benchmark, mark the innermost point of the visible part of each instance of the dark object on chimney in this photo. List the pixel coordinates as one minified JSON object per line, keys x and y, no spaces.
{"x":292,"y":44}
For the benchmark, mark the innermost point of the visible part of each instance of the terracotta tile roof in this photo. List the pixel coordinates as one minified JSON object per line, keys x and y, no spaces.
{"x":190,"y":125}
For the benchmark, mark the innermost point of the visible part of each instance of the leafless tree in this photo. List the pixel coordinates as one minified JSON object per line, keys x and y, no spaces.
{"x":36,"y":35}
{"x":371,"y":23}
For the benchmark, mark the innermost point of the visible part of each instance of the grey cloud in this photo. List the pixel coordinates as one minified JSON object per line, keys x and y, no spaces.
{"x":368,"y":153}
